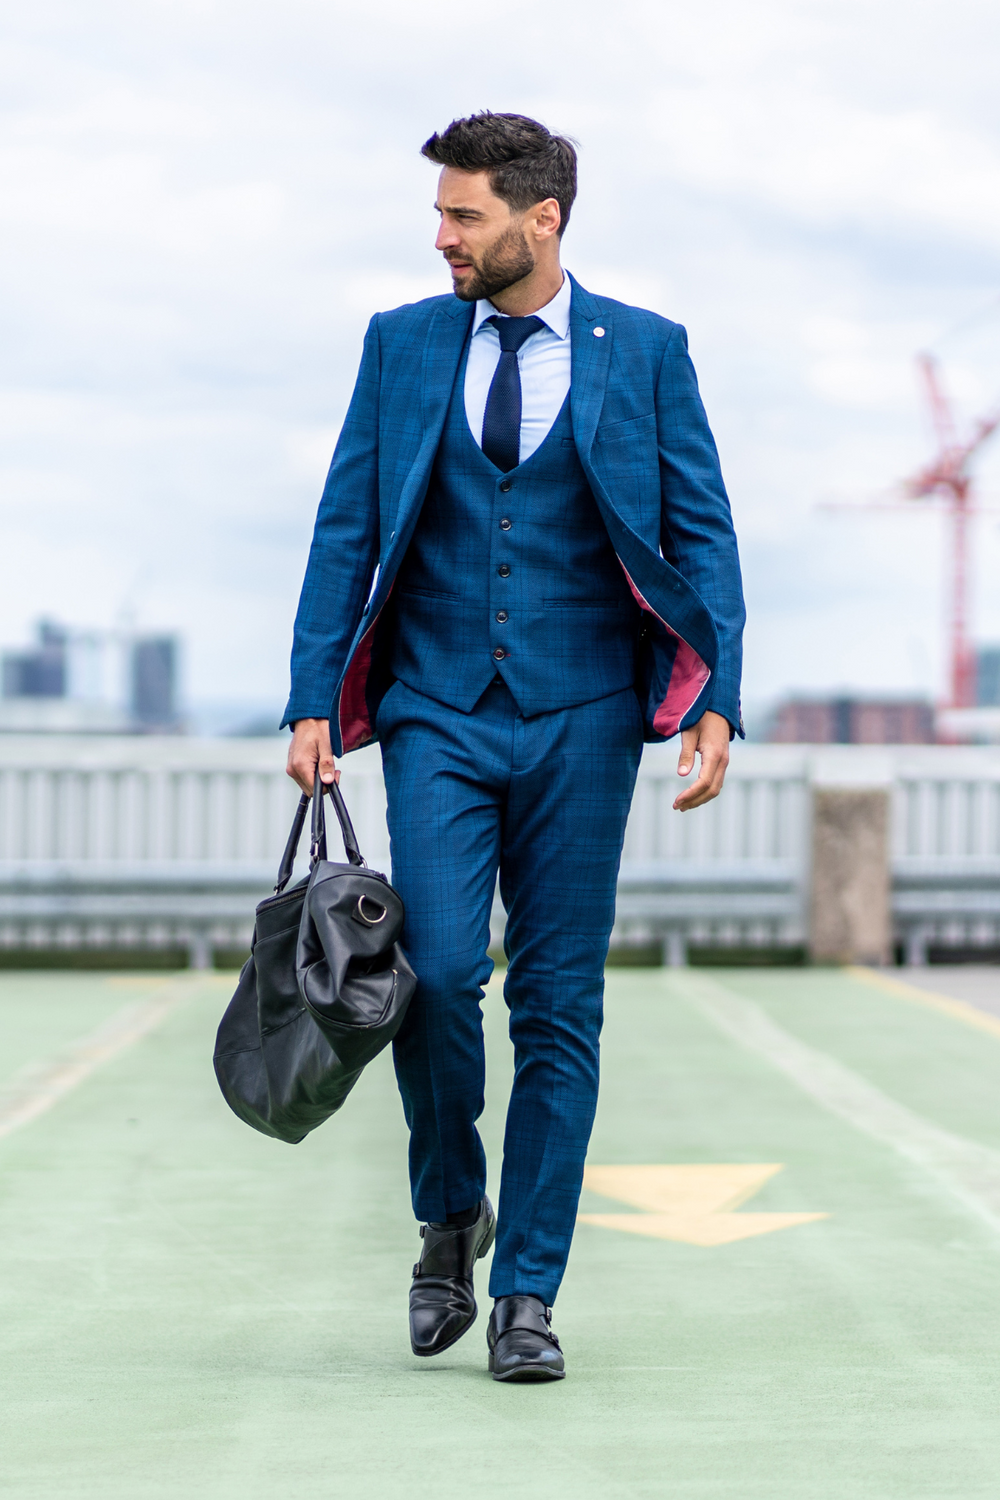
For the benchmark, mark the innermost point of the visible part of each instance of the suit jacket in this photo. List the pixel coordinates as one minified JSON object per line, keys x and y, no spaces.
{"x":644,"y":442}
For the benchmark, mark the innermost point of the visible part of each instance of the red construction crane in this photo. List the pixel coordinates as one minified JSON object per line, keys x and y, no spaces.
{"x":948,"y":475}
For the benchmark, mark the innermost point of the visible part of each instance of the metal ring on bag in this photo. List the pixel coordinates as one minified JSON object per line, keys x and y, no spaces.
{"x":369,"y":921}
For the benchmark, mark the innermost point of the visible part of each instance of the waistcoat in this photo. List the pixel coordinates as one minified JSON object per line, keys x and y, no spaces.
{"x":511,"y":573}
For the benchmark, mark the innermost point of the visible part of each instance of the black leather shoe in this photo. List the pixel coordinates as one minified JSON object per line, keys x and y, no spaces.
{"x":442,"y":1301}
{"x":521,"y":1342}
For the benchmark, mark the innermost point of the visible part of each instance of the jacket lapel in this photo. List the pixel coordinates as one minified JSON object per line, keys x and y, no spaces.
{"x":591,"y":361}
{"x":692,"y":652}
{"x":442,"y":354}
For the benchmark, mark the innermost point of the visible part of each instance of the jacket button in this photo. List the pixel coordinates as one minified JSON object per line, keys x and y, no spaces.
{"x":506,"y":485}
{"x":505,"y":524}
{"x":504,"y":570}
{"x":501,"y":617}
{"x":499,"y":654}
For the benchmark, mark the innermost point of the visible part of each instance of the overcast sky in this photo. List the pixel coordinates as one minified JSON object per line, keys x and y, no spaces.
{"x":201,"y":205}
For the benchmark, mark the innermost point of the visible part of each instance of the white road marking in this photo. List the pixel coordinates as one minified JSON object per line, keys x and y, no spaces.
{"x":36,"y":1087}
{"x":968,"y":1171}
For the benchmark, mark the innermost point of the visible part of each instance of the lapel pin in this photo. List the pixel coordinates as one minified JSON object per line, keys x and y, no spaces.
{"x":598,"y":333}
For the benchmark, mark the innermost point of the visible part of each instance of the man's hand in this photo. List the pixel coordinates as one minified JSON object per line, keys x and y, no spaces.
{"x":709,"y":738}
{"x":311,"y":745}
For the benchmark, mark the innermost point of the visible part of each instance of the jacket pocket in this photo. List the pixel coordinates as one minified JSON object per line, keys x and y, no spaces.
{"x":631,"y":427}
{"x":415,"y":593}
{"x":582,"y":603}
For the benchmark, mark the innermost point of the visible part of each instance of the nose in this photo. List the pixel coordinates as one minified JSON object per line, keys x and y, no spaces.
{"x":447,"y":237}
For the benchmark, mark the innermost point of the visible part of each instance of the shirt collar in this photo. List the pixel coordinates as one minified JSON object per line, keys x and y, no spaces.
{"x":555,"y":314}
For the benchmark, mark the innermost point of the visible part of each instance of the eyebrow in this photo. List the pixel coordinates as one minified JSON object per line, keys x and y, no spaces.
{"x":458,"y":208}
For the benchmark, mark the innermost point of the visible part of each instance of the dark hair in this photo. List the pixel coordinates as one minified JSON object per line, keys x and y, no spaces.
{"x":525,"y":162}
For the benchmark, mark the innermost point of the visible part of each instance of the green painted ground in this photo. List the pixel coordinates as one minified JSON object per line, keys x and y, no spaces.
{"x":188,"y":1310}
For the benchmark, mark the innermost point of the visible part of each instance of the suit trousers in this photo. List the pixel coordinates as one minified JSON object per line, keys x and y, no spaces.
{"x":544,"y":801}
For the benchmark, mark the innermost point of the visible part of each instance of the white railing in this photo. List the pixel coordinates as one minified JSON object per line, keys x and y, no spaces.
{"x":730,"y":874}
{"x":149,"y":842}
{"x":736,"y":873}
{"x":946,"y":850}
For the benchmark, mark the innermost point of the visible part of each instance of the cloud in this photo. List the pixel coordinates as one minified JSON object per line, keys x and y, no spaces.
{"x":202,"y":202}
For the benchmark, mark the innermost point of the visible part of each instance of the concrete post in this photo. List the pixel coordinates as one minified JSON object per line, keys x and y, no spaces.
{"x":199,"y":950}
{"x":917,"y":939}
{"x":674,"y":948}
{"x":850,"y":917}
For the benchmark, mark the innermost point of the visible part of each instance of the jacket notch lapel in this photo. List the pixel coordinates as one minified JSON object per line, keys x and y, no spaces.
{"x":442,"y":354}
{"x":590,"y":363}
{"x":441,"y":358}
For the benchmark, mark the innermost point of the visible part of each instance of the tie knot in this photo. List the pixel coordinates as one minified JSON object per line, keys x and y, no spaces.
{"x":514,"y":331}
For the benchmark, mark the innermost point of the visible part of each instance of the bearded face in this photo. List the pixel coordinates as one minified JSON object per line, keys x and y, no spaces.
{"x":507,"y":260}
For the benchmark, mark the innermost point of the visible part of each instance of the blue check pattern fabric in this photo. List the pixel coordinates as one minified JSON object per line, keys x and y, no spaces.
{"x":643,"y":440}
{"x":512,"y":635}
{"x":544,"y":802}
{"x":511,"y":573}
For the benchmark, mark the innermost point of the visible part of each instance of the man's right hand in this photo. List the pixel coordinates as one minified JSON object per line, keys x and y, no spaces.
{"x":311,"y":744}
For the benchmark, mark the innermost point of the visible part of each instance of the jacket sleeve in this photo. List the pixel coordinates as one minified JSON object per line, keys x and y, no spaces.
{"x":696,"y":529}
{"x":343,"y":552}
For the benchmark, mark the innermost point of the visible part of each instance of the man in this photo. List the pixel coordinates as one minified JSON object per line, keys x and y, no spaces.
{"x":523,"y":566}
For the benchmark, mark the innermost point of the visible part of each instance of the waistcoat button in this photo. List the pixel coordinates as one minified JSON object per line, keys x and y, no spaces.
{"x":506,"y":485}
{"x":501,"y":617}
{"x":499,"y":654}
{"x":504,"y":570}
{"x":505,"y":524}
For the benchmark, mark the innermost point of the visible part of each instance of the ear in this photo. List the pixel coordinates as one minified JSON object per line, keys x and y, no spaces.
{"x":545,"y":218}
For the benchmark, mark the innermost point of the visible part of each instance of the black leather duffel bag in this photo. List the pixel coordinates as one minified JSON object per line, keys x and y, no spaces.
{"x":325,"y":988}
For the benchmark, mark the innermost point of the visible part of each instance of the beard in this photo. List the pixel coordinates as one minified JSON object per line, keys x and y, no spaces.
{"x":507,"y":260}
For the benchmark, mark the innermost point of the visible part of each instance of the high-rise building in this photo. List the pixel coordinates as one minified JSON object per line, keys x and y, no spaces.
{"x":988,"y":677}
{"x":90,"y":682}
{"x":40,"y":672}
{"x":154,"y":683}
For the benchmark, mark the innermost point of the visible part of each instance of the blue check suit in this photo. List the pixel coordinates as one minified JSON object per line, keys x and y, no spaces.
{"x":495,"y":776}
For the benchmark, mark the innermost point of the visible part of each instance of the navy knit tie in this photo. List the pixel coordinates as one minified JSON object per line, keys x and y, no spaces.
{"x":502,"y":419}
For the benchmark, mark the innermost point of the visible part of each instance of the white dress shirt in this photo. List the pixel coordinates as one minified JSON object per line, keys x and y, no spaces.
{"x":544,"y":363}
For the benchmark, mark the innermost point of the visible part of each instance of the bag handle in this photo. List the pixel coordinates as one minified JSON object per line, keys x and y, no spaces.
{"x":317,"y":846}
{"x":288,"y":858}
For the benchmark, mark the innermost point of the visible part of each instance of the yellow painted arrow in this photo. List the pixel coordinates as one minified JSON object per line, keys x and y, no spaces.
{"x":692,"y":1203}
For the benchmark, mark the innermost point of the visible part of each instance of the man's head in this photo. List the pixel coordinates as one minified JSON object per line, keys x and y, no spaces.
{"x":505,"y":193}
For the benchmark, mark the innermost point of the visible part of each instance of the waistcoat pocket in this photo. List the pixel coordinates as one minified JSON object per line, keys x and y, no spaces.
{"x":419,"y":593}
{"x":583,"y":603}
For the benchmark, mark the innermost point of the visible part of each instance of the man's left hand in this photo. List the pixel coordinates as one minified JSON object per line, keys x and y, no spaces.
{"x":709,"y":738}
